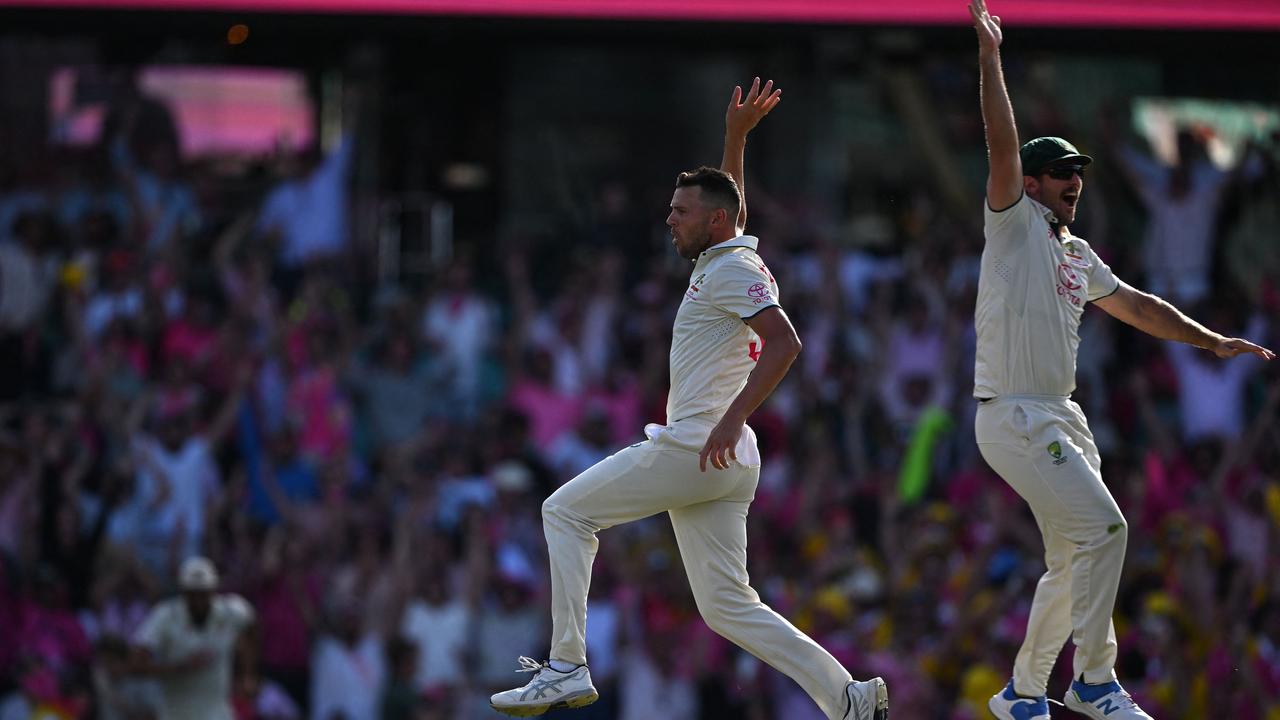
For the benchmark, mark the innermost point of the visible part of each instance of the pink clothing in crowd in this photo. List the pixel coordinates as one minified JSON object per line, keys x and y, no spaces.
{"x":52,"y":634}
{"x":550,"y":413}
{"x":280,"y":609}
{"x":186,"y":341}
{"x":322,"y":414}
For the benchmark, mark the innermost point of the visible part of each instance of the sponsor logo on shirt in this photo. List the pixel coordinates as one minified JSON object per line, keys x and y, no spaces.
{"x":1069,"y":282}
{"x":758,"y":292}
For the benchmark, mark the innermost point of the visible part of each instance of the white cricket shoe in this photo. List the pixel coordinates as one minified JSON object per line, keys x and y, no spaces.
{"x":1008,"y":705}
{"x":867,"y":700}
{"x":548,"y":689}
{"x":1108,"y":701}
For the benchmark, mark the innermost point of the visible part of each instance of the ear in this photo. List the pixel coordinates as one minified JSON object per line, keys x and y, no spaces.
{"x":720,"y":216}
{"x":1031,"y":186}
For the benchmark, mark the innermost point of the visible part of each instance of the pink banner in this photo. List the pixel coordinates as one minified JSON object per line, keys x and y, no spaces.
{"x":1187,"y":14}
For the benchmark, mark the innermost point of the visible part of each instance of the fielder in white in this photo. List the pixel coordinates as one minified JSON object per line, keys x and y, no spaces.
{"x":731,"y":345}
{"x":1035,"y":280}
{"x":190,"y":642}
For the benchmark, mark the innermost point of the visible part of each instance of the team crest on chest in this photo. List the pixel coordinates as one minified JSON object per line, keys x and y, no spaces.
{"x":1074,"y":256}
{"x":695,"y":287}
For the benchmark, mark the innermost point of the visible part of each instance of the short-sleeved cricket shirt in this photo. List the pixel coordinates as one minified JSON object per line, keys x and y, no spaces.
{"x":1031,"y":294}
{"x":712,"y":348}
{"x":202,"y":694}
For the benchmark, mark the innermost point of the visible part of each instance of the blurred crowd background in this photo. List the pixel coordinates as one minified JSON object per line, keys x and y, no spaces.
{"x":343,"y":327}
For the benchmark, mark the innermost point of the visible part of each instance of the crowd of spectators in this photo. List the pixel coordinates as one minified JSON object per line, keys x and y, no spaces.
{"x":365,"y":464}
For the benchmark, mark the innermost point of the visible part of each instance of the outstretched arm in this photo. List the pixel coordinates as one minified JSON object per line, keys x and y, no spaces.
{"x":1004,"y":181}
{"x":739,"y":119}
{"x":1154,"y":316}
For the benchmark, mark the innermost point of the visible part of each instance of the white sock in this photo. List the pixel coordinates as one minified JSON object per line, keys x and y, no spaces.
{"x":562,"y":666}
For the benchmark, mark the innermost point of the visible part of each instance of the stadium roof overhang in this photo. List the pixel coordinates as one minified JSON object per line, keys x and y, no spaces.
{"x":1184,"y":14}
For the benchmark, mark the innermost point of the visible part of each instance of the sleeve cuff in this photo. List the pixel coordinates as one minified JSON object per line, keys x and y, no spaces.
{"x":1010,"y":206}
{"x":757,"y":312}
{"x":1108,"y":294}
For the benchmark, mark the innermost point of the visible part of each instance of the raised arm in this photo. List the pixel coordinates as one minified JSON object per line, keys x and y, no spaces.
{"x":739,"y":119}
{"x":1154,"y":316}
{"x":225,"y":418}
{"x":1004,"y":181}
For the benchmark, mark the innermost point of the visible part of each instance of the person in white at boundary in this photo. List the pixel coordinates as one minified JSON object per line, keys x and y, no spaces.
{"x":190,"y":642}
{"x":731,"y":345}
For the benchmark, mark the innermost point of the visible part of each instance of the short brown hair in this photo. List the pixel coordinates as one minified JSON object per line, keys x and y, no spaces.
{"x":718,"y":187}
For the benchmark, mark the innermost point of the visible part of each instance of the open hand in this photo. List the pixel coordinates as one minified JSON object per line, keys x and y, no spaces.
{"x":721,"y":445}
{"x":743,"y":115}
{"x":1231,"y":347}
{"x":988,"y":26}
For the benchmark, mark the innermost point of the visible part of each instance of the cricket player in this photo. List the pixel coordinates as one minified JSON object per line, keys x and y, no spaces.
{"x":1035,"y":280}
{"x":731,"y":345}
{"x":190,"y":642}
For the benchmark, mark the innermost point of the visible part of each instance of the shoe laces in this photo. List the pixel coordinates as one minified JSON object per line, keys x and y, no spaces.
{"x":1126,"y":700}
{"x":528,"y":664}
{"x":1122,"y":697}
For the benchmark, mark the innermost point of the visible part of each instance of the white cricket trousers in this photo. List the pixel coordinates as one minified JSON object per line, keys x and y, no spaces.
{"x":709,"y":515}
{"x":1042,"y":447}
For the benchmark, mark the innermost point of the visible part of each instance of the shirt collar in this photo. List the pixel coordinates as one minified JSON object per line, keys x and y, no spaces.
{"x":1052,"y":219}
{"x":746,"y":241}
{"x":1045,"y":211}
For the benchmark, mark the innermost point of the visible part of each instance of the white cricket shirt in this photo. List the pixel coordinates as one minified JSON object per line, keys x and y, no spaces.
{"x":203,"y":694}
{"x":1031,"y":294}
{"x":713,"y":350}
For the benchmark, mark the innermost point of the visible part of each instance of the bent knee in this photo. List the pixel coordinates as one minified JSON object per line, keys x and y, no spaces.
{"x":717,"y":619}
{"x":724,"y":609}
{"x":559,"y":518}
{"x":552,"y":510}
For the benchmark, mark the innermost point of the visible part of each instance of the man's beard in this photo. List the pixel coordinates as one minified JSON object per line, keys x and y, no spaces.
{"x":692,"y":250}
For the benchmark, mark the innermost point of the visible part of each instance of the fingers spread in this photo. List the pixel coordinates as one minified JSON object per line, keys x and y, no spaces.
{"x":767,"y":91}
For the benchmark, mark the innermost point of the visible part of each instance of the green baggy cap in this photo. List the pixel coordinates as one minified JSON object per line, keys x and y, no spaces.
{"x":1042,"y":152}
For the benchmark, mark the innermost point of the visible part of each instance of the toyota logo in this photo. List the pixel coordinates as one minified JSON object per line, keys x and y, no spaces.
{"x":1068,"y":277}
